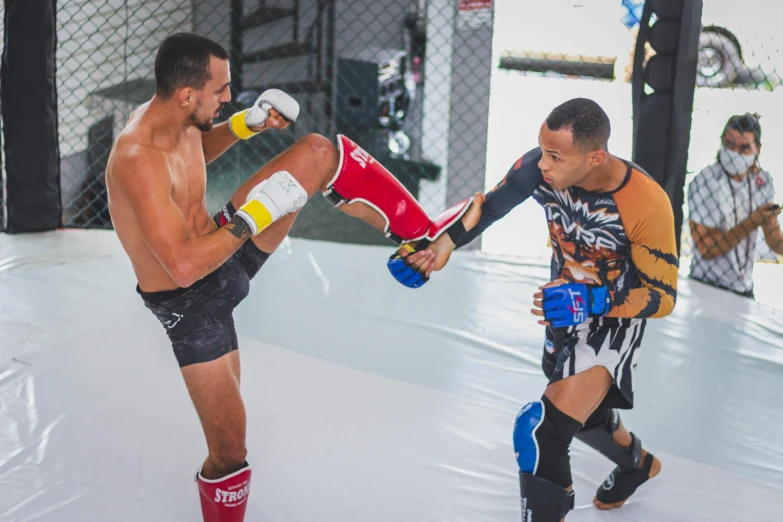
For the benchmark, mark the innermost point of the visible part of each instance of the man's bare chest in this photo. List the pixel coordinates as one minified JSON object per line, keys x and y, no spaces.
{"x":188,"y":183}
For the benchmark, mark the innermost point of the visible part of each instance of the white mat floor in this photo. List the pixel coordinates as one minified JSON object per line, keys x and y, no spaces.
{"x":366,"y":401}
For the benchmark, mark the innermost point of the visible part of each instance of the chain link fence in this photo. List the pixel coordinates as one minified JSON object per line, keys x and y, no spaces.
{"x":393,"y":76}
{"x":727,"y":228}
{"x":105,"y":56}
{"x":731,"y":233}
{"x":409,"y":80}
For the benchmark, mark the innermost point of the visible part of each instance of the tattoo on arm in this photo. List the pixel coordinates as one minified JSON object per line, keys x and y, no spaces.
{"x":238,"y":228}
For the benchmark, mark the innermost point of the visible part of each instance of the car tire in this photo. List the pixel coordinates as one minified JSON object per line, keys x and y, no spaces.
{"x":718,"y":60}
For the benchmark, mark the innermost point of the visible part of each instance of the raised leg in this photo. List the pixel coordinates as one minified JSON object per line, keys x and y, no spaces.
{"x":313,"y":161}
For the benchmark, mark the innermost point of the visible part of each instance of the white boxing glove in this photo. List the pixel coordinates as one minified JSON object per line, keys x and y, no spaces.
{"x":256,"y":115}
{"x":272,"y":199}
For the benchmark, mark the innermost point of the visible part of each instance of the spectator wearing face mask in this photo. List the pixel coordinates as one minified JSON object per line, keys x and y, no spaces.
{"x":729,"y":201}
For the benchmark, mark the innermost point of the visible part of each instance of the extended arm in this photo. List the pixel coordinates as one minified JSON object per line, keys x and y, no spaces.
{"x":518,"y":185}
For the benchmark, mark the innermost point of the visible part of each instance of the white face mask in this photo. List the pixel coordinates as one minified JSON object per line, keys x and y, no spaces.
{"x":735,"y":163}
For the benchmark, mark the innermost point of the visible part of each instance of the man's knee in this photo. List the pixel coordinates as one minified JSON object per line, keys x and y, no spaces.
{"x":542,"y":436}
{"x":321,"y":148}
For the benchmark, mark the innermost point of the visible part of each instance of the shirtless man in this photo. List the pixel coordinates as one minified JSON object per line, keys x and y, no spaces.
{"x":193,"y":269}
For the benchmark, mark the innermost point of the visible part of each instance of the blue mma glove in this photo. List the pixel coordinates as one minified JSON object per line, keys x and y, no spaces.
{"x":404,"y":273}
{"x":574,"y":303}
{"x":448,"y":221}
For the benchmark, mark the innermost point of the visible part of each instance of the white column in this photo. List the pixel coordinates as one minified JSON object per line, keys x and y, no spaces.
{"x":437,"y":100}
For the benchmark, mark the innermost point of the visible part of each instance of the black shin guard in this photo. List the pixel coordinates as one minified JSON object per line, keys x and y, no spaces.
{"x":598,"y":434}
{"x":542,"y":435}
{"x":542,"y":500}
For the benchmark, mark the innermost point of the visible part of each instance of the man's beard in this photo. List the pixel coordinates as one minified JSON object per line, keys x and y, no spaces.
{"x":202,"y":125}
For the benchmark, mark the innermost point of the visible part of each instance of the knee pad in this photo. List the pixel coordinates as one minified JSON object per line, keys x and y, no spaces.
{"x":542,"y":435}
{"x":598,"y":433}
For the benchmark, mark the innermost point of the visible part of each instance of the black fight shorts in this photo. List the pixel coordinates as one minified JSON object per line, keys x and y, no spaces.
{"x":199,"y":319}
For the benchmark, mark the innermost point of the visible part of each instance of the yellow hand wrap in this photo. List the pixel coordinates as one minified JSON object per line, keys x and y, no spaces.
{"x":410,"y":249}
{"x":239,"y":127}
{"x":258,"y":213}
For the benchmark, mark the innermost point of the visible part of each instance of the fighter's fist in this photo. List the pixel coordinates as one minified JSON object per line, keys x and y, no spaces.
{"x":413,"y":263}
{"x":276,"y":99}
{"x":564,"y":304}
{"x":273,"y":198}
{"x":273,"y":108}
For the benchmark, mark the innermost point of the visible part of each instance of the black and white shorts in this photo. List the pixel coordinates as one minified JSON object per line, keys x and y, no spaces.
{"x":608,"y":342}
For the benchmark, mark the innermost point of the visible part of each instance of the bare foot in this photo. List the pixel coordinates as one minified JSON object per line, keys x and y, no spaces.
{"x":437,"y":253}
{"x":472,"y":216}
{"x":654,"y":470}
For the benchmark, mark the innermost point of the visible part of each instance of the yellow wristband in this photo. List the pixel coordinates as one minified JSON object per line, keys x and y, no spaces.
{"x":256,"y":210}
{"x":239,"y":127}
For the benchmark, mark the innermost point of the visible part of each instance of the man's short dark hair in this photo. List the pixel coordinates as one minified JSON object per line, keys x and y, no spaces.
{"x":745,"y":123}
{"x":586,"y":120}
{"x":183,"y":61}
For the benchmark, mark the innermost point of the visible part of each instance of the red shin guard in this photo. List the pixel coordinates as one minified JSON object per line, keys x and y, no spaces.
{"x":225,"y":499}
{"x":360,"y":178}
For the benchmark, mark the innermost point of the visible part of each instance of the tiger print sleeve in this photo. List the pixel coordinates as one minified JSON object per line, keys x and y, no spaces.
{"x":647,"y":216}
